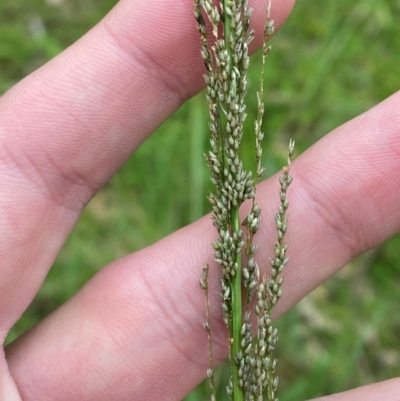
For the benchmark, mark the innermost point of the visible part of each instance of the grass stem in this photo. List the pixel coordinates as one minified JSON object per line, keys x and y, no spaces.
{"x":236,"y":288}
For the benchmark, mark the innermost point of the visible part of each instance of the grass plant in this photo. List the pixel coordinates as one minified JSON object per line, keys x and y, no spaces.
{"x":226,"y":61}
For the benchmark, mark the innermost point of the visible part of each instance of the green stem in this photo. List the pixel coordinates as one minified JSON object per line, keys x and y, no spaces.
{"x":236,"y":284}
{"x":236,"y":288}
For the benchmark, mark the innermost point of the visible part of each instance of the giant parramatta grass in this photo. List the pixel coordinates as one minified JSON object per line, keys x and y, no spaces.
{"x":226,"y":60}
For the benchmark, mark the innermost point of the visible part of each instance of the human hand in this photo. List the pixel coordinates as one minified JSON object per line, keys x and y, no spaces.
{"x":134,"y":331}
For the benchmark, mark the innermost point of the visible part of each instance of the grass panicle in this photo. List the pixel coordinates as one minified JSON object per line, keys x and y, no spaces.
{"x":226,"y":62}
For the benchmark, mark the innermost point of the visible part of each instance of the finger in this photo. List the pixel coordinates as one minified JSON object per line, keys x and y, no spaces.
{"x":387,"y":390}
{"x":68,"y":127}
{"x":137,"y":326}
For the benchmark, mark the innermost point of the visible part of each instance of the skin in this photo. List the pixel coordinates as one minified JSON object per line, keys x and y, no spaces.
{"x":132,"y":332}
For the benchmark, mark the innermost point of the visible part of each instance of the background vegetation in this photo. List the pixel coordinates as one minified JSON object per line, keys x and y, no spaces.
{"x":331,"y":61}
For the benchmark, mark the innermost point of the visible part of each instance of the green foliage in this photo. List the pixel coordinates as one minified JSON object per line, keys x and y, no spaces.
{"x":34,"y":31}
{"x":330,"y":62}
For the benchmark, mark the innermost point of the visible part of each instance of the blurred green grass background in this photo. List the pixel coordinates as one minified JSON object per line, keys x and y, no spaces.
{"x":330,"y":62}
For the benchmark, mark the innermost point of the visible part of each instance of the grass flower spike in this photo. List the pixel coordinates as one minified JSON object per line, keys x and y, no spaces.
{"x":226,"y":63}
